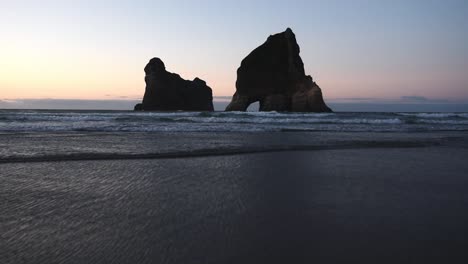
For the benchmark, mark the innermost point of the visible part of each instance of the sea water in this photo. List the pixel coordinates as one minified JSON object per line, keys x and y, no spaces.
{"x":147,"y":187}
{"x":128,"y":121}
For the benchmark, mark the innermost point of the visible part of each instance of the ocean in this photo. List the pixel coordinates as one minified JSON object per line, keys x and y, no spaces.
{"x":127,"y":121}
{"x":144,"y":187}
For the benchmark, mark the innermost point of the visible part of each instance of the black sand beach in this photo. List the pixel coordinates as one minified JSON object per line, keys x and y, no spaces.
{"x":234,"y":197}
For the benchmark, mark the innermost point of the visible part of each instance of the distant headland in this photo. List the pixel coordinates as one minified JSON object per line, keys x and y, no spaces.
{"x":272,"y":74}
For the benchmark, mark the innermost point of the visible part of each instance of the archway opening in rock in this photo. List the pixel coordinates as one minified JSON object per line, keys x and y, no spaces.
{"x":254,"y":107}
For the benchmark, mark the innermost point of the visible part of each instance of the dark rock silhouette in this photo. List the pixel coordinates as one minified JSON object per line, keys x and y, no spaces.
{"x":273,"y":74}
{"x":167,"y":91}
{"x":138,"y":107}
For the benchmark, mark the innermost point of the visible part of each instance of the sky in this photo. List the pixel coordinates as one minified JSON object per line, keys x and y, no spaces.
{"x":358,"y":51}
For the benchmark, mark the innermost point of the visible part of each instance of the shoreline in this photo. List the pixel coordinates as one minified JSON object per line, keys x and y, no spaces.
{"x":82,"y":146}
{"x":208,"y":153}
{"x":348,"y":205}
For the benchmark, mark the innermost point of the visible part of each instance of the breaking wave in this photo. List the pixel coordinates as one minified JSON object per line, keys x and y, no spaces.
{"x":436,"y":115}
{"x":126,"y":121}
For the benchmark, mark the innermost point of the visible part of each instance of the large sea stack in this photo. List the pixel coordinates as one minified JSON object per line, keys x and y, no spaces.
{"x":273,"y":74}
{"x":167,"y":91}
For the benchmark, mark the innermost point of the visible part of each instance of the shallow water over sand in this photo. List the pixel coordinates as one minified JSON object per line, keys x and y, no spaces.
{"x":263,"y":197}
{"x":355,"y":205}
{"x":126,"y":187}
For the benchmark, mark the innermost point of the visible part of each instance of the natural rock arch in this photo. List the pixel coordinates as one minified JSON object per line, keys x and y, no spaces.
{"x":273,"y":74}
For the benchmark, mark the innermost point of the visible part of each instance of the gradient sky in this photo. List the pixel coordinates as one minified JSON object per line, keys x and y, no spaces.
{"x":353,"y":49}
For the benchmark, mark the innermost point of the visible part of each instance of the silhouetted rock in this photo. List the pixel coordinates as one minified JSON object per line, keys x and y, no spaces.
{"x":138,"y":107}
{"x":167,"y":91}
{"x":273,"y":74}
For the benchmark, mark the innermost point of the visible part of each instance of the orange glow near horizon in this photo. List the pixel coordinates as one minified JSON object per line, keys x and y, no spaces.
{"x":56,"y":70}
{"x":51,"y":72}
{"x":58,"y":79}
{"x":94,"y":50}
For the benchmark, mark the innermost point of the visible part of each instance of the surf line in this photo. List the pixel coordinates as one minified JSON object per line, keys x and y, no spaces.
{"x":213,"y":152}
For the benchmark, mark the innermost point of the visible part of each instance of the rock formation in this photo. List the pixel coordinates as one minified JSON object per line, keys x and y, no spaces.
{"x":167,"y":91}
{"x":273,"y":74}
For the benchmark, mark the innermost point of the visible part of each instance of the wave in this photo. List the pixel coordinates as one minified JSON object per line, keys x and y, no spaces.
{"x":447,"y":122}
{"x":214,"y":152}
{"x":227,"y":121}
{"x":436,"y":115}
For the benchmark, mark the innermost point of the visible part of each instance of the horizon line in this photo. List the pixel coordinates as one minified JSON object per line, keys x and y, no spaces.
{"x":393,"y":100}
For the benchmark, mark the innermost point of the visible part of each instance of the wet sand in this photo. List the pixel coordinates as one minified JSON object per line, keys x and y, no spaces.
{"x":368,"y":205}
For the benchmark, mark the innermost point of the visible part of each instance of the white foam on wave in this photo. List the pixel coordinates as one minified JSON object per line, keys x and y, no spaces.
{"x":286,"y":120}
{"x":445,"y":122}
{"x":227,"y":121}
{"x":369,"y":121}
{"x":436,"y":115}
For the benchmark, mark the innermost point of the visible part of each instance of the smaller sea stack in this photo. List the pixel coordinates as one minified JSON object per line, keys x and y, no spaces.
{"x":166,"y":91}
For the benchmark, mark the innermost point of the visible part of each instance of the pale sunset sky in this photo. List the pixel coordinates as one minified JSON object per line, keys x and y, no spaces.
{"x":354,"y":49}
